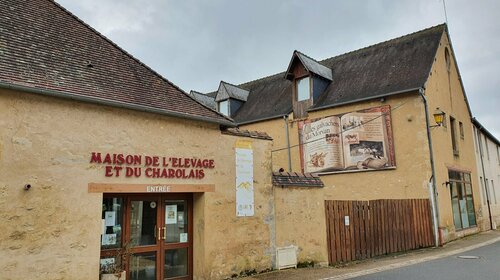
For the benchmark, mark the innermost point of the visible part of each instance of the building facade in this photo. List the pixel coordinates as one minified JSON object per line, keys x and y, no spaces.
{"x":364,"y":122}
{"x":107,"y":166}
{"x":487,"y":149}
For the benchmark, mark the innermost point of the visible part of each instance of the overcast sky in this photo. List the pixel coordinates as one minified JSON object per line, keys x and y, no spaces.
{"x":196,"y":44}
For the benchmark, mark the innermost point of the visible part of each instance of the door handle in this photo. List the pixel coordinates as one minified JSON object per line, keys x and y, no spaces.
{"x":165,"y":233}
{"x":159,"y":233}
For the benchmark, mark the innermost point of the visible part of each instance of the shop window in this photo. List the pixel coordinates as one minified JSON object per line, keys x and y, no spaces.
{"x":461,"y":128}
{"x":303,"y":89}
{"x":224,"y":107}
{"x":453,"y":128}
{"x":112,"y":219}
{"x":462,"y":200}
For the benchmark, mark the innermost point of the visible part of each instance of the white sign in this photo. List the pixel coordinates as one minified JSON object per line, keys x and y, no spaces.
{"x":108,"y":239}
{"x":346,"y":220}
{"x":183,"y":237}
{"x":244,"y":181}
{"x":170,"y":214}
{"x":110,"y":217}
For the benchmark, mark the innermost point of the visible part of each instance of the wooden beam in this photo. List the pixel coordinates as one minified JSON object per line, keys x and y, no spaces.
{"x":150,"y":188}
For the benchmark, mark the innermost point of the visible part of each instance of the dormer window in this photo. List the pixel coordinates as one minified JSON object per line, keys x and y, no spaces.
{"x":230,"y":98}
{"x":224,"y":107}
{"x":303,"y":89}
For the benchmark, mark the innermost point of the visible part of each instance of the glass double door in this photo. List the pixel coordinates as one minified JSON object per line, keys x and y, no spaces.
{"x":159,"y":235}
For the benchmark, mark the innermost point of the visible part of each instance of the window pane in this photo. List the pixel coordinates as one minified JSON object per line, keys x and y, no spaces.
{"x":456,"y":213}
{"x":176,"y":221}
{"x":470,"y":211}
{"x":176,"y":262}
{"x":142,"y":223}
{"x":112,"y":216}
{"x":143,"y":266}
{"x":303,"y":89}
{"x":224,"y":107}
{"x":453,"y":135}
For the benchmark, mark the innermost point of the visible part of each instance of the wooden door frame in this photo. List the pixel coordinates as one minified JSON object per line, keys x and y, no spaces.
{"x":188,"y":197}
{"x":160,"y":245}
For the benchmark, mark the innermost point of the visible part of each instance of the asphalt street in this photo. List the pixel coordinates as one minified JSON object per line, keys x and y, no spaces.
{"x":462,"y":266}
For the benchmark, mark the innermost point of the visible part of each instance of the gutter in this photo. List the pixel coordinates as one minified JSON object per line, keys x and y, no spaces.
{"x":264,"y":119}
{"x":363,"y":99}
{"x":112,"y":103}
{"x":432,"y":180}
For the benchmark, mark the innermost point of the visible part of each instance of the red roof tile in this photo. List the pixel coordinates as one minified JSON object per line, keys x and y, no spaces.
{"x":44,"y":46}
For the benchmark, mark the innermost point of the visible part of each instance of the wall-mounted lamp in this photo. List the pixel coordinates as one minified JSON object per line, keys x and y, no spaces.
{"x":447,"y":183}
{"x":438,"y":117}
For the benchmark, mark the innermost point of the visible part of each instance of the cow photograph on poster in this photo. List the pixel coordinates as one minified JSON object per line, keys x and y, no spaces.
{"x":360,"y":140}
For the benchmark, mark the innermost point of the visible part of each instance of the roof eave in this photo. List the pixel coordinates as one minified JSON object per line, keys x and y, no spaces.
{"x":483,"y":129}
{"x":112,"y":103}
{"x":264,"y":119}
{"x":363,"y":99}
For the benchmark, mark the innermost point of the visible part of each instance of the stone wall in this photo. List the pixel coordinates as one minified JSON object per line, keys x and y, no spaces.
{"x":53,"y":230}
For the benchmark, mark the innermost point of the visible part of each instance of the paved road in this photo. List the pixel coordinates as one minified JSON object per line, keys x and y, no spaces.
{"x":487,"y":267}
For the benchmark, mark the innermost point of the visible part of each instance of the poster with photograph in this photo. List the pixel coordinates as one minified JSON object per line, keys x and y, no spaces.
{"x":360,"y":140}
{"x":170,"y":214}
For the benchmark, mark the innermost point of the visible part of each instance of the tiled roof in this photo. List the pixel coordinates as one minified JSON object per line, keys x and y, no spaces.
{"x":246,"y":133}
{"x":295,"y":179}
{"x":390,"y":67}
{"x":43,"y":46}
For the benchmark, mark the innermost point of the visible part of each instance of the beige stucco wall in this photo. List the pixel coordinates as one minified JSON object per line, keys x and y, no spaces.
{"x":443,"y":90}
{"x":408,"y":180}
{"x":413,"y":170}
{"x":300,"y":222}
{"x":53,"y":230}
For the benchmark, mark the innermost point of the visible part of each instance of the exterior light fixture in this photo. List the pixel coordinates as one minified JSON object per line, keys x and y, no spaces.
{"x":438,"y":117}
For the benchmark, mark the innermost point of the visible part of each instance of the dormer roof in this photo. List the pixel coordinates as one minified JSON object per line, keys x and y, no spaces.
{"x":227,"y":91}
{"x":204,"y":99}
{"x":311,"y":66}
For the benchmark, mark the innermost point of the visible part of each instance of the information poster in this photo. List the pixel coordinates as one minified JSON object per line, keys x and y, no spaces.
{"x":171,"y":214}
{"x":244,"y":179}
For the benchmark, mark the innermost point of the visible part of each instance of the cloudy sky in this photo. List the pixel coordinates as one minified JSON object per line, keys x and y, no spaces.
{"x":196,"y":44}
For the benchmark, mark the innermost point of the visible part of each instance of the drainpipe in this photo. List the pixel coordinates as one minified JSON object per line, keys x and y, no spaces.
{"x":432,"y":180}
{"x":485,"y":183}
{"x":285,"y":118}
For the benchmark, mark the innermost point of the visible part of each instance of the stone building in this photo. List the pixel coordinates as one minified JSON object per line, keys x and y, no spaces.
{"x":487,"y":149}
{"x":99,"y":154}
{"x":106,"y":164}
{"x":365,"y":122}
